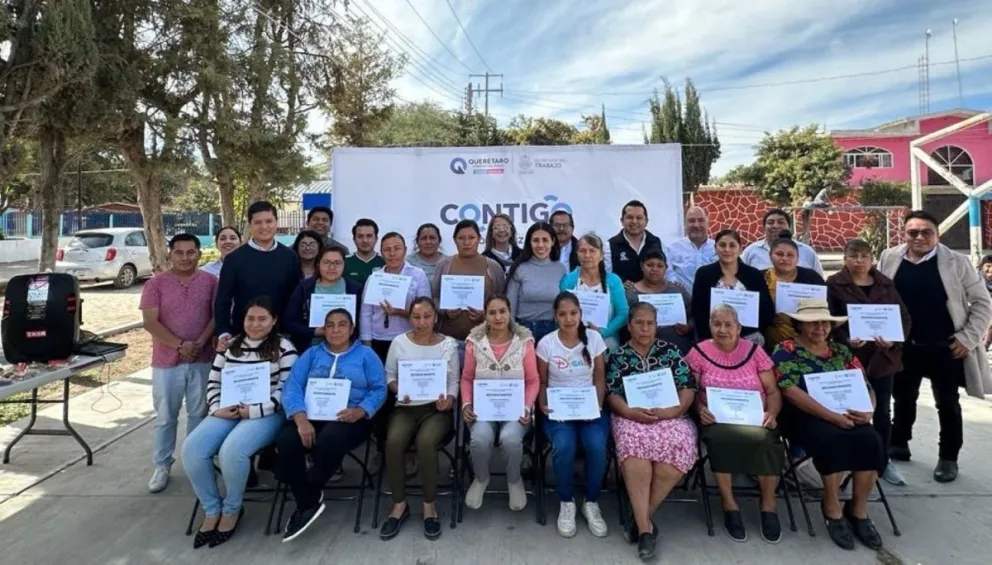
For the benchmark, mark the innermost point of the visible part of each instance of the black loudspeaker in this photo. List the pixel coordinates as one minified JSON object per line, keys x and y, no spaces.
{"x":41,"y":317}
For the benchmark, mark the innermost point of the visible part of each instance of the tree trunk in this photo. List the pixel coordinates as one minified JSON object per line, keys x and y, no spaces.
{"x":225,"y":189}
{"x":148,"y":178}
{"x":51,"y":162}
{"x":257,"y":191}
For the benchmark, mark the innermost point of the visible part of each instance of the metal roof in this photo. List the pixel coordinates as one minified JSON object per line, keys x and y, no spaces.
{"x":320,"y":186}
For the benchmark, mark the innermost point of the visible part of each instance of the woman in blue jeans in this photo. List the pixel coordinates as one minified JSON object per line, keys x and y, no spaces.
{"x":237,"y":432}
{"x":574,"y":357}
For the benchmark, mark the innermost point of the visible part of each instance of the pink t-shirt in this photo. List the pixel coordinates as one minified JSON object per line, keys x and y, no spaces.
{"x":184,"y":310}
{"x":715,"y":372}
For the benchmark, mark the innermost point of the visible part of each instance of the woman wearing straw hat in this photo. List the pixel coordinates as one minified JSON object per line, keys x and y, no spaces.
{"x":838,"y":442}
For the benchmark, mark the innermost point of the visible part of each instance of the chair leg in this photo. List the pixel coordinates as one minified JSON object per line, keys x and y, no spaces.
{"x":272,"y":509}
{"x":378,"y":499}
{"x":802,"y":499}
{"x":366,"y":480}
{"x":192,"y":517}
{"x":282,"y":507}
{"x":888,"y":509}
{"x":783,"y":485}
{"x":456,"y":488}
{"x":704,"y":494}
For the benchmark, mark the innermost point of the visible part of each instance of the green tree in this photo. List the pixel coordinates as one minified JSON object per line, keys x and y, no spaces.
{"x":674,"y":120}
{"x":595,"y":132}
{"x":524,"y":130}
{"x":794,"y":165}
{"x":360,"y":100}
{"x":420,"y":124}
{"x":876,"y":192}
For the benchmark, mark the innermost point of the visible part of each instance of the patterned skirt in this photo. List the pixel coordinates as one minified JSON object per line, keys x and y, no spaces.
{"x":664,"y":441}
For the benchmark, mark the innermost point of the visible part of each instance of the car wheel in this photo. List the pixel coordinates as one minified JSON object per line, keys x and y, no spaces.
{"x":126,"y":277}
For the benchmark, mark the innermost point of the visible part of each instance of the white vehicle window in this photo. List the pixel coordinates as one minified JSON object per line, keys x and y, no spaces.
{"x":91,"y":241}
{"x":136,"y":239}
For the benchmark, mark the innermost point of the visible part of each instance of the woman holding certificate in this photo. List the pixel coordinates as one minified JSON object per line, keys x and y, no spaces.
{"x":304,"y":317}
{"x":602,"y":294}
{"x":828,"y":414}
{"x":743,"y":284}
{"x":532,"y":282}
{"x":499,"y":386}
{"x":859,"y":282}
{"x":254,"y":365}
{"x":655,"y":440}
{"x":469,"y":263}
{"x":422,"y":373}
{"x":738,"y":405}
{"x":573,"y":386}
{"x":784,"y":253}
{"x":330,"y":397}
{"x":656,"y":290}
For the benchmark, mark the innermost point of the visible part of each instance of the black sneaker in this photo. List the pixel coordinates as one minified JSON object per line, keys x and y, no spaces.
{"x":863,"y":529}
{"x":647,"y":546}
{"x":735,"y":525}
{"x":432,"y":528}
{"x":946,"y":471}
{"x":301,"y":519}
{"x":771,"y":529}
{"x":391,"y":527}
{"x":900,"y":453}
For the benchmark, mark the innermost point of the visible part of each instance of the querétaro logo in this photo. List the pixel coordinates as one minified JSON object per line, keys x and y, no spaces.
{"x":458,"y":166}
{"x":523,"y":213}
{"x":479,"y":165}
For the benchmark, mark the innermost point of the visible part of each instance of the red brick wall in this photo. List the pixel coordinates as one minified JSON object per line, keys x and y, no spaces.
{"x":741,"y":209}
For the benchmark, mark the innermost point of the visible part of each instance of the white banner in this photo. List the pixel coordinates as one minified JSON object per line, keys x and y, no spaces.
{"x":402,"y":188}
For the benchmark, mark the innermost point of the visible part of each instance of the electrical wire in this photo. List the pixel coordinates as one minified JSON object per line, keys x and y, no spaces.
{"x":429,"y":28}
{"x":468,"y":37}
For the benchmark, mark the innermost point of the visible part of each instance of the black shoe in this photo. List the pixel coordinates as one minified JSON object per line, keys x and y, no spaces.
{"x":735,"y":525}
{"x":900,"y":453}
{"x":301,"y":519}
{"x":839,"y":530}
{"x":203,"y":538}
{"x":647,"y":546}
{"x":222,"y":537}
{"x":946,"y":471}
{"x":432,"y":528}
{"x":863,"y":529}
{"x":771,"y":529}
{"x":391,"y":527}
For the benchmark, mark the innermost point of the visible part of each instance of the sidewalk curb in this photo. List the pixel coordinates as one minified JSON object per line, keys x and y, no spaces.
{"x":119,"y":329}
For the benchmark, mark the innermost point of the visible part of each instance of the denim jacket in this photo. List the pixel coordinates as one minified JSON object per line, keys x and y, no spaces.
{"x":359,"y":364}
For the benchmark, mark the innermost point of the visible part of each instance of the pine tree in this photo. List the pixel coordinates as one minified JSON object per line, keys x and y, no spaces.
{"x":606,"y":128}
{"x":678,"y":120}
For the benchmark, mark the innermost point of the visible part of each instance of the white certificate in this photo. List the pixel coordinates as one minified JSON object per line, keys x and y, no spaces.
{"x":595,"y":307}
{"x":245,"y":384}
{"x":573,"y":403}
{"x":462,"y":291}
{"x":734,"y":406}
{"x":321,"y":304}
{"x":651,"y":390}
{"x":382,"y":286}
{"x":868,"y":321}
{"x":423,"y":379}
{"x":326,"y":397}
{"x":840,"y":391}
{"x":498,"y":400}
{"x":788,"y":295}
{"x":670,"y":307}
{"x":744,"y":301}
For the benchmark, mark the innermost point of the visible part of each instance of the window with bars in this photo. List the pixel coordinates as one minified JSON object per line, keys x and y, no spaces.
{"x":868,"y":158}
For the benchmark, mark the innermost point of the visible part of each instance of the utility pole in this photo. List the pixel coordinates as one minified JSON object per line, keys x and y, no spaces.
{"x":486,"y":90}
{"x":957,"y":63}
{"x":927,"y":68}
{"x":468,"y":97}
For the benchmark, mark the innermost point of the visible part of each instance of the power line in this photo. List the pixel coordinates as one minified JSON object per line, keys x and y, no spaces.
{"x":406,"y":39}
{"x":761,"y":85}
{"x":467,"y":36}
{"x":429,"y":28}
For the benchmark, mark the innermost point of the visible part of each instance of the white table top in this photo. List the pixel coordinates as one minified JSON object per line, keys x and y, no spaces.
{"x":77,"y":364}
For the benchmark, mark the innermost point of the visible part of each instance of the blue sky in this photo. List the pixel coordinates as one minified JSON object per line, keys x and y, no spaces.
{"x":561,"y":58}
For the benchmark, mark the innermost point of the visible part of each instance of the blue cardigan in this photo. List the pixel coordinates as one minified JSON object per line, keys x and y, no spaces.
{"x":359,"y":364}
{"x":296,"y":319}
{"x":619,"y":308}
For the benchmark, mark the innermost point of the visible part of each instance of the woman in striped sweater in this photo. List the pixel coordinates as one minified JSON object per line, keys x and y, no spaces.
{"x":236,"y":432}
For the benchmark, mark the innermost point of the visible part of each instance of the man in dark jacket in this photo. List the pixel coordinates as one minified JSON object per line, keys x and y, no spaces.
{"x":625,"y":249}
{"x":564,"y":226}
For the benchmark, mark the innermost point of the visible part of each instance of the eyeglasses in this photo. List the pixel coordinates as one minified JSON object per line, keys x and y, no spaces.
{"x":332,"y":264}
{"x":309,"y":245}
{"x":925,"y":233}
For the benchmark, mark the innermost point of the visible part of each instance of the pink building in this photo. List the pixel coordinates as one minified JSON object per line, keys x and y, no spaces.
{"x":882,"y":152}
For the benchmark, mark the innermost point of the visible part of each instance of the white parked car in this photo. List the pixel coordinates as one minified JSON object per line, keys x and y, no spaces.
{"x":119,"y":255}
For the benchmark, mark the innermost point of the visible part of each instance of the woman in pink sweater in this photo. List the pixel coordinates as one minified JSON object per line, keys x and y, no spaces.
{"x":499,"y":349}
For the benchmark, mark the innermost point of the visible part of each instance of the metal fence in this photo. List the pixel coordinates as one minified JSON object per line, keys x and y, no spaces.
{"x":27,"y":224}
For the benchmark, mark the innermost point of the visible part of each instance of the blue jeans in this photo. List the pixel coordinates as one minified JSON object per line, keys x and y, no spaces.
{"x":169,"y":388}
{"x":235,"y":441}
{"x":564,"y":437}
{"x":539,"y":328}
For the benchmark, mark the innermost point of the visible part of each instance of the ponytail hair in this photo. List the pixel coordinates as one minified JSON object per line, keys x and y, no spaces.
{"x":271,"y":347}
{"x":566,"y":296}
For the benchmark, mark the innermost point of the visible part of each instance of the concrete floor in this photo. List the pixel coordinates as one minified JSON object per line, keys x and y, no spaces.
{"x":104,"y":515}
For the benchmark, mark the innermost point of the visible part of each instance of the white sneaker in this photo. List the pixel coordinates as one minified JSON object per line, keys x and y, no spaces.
{"x":159,"y":480}
{"x":518,"y":495}
{"x":594,"y":516}
{"x":473,"y":498}
{"x":893,"y":476}
{"x":566,"y":520}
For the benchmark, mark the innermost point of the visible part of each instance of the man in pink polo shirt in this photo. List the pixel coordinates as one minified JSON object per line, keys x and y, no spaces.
{"x":177,"y":310}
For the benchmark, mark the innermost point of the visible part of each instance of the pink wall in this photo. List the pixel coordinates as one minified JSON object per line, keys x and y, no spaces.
{"x":976,"y":140}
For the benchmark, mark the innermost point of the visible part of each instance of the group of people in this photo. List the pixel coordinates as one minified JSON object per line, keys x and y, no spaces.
{"x":253,"y":306}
